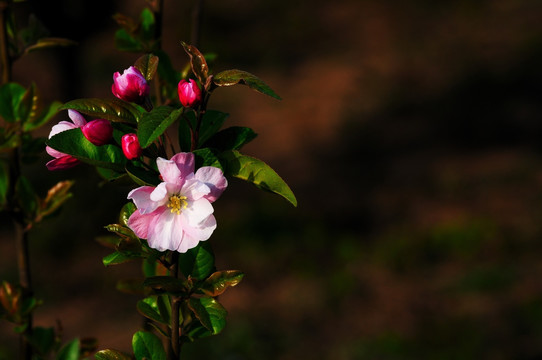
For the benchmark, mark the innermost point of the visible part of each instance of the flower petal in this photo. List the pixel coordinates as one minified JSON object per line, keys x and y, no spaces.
{"x":77,"y":118}
{"x":197,"y":211}
{"x":60,"y":127}
{"x":194,"y":189}
{"x":169,"y":171}
{"x":141,"y":223}
{"x":141,"y":197}
{"x":214,"y":178}
{"x":202,"y":231}
{"x":54,"y":153}
{"x":61,"y":163}
{"x":185,"y":163}
{"x":167,"y":232}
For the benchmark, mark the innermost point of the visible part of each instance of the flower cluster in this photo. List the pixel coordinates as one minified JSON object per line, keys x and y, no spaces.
{"x":177,"y":214}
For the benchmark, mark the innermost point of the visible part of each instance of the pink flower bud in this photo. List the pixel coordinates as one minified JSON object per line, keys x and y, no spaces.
{"x":189,"y":93}
{"x":130,"y":146}
{"x":131,"y":86}
{"x":98,"y":132}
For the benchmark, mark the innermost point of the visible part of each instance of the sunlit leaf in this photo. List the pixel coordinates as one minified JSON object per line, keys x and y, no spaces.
{"x":234,"y":76}
{"x":232,"y":138}
{"x":109,"y":109}
{"x":220,"y":281}
{"x":148,"y":307}
{"x":154,"y":123}
{"x":111,"y":355}
{"x":198,"y":262}
{"x":198,"y":62}
{"x":10,"y":297}
{"x":119,"y":258}
{"x":70,"y":351}
{"x":256,"y":172}
{"x":147,"y":64}
{"x":125,"y":212}
{"x":74,"y":143}
{"x":210,"y":313}
{"x":147,"y":346}
{"x":56,"y":196}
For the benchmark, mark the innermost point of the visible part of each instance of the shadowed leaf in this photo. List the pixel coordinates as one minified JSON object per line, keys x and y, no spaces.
{"x":234,"y":76}
{"x":198,"y":63}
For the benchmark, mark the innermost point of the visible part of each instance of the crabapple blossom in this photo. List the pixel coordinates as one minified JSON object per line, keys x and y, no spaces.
{"x":189,"y":93}
{"x":131,"y":86}
{"x":177,"y":214}
{"x":64,"y":161}
{"x":98,"y":132}
{"x":130,"y":146}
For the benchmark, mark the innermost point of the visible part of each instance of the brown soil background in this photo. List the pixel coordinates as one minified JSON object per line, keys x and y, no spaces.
{"x":410,"y":133}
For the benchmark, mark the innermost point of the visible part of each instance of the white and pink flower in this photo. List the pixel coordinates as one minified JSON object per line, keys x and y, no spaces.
{"x":177,"y":214}
{"x":64,"y":161}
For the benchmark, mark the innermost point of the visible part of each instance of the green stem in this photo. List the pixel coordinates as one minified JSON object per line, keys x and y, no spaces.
{"x":175,"y":344}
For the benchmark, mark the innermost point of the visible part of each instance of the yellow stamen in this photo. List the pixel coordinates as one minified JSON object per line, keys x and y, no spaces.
{"x":177,"y":203}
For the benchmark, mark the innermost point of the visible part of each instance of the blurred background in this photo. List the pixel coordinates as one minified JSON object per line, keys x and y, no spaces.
{"x":410,"y":133}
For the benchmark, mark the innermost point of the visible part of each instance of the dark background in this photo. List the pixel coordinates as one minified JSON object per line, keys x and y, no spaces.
{"x":410,"y":133}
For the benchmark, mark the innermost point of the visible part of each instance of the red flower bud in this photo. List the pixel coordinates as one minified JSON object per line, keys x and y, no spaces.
{"x":189,"y":93}
{"x":98,"y":132}
{"x":131,"y":86}
{"x":130,"y":146}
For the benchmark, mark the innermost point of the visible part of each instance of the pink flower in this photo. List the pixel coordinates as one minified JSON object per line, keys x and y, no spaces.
{"x":189,"y":93}
{"x":98,"y":132}
{"x":177,"y":214}
{"x":131,"y":86}
{"x":130,"y":146}
{"x":64,"y":161}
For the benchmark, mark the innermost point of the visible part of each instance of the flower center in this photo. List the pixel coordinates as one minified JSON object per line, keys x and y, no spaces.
{"x":177,"y":203}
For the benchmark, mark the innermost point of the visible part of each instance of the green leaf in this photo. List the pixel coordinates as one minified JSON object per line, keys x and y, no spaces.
{"x":34,"y":123}
{"x":4,"y":183}
{"x":11,"y":95}
{"x":45,"y":43}
{"x":207,"y":157}
{"x":110,"y":354}
{"x":27,"y":109}
{"x":124,"y":41}
{"x":220,"y":281}
{"x":74,"y":143}
{"x":148,"y":307}
{"x":210,"y":313}
{"x":198,"y":262}
{"x":119,"y":258}
{"x":154,"y":123}
{"x":147,"y":64}
{"x":27,"y":198}
{"x":147,"y":346}
{"x":70,"y":351}
{"x":147,"y":25}
{"x":256,"y":172}
{"x":56,"y":196}
{"x":232,"y":138}
{"x":42,"y":339}
{"x":234,"y":76}
{"x":142,"y":176}
{"x":166,"y":284}
{"x":211,"y":122}
{"x":125,"y":213}
{"x":198,"y":63}
{"x":109,"y":109}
